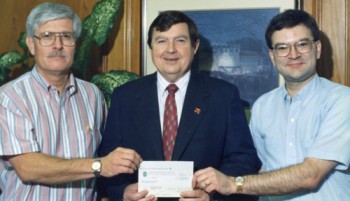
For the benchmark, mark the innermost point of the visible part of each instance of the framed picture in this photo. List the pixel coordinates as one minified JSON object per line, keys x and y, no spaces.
{"x":232,"y":40}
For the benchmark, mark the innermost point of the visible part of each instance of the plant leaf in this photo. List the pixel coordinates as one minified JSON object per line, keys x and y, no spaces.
{"x":11,"y":58}
{"x":98,"y":25}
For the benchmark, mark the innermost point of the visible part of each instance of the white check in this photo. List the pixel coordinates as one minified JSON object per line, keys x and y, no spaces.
{"x":165,"y":178}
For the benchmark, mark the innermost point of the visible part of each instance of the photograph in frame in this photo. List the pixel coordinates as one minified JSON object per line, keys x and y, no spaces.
{"x":232,"y":41}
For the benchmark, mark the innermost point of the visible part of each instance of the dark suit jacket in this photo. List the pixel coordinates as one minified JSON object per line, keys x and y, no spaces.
{"x":217,"y":136}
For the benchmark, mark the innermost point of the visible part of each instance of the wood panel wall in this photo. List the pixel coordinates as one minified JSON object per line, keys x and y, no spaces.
{"x":333,"y":18}
{"x":123,"y":48}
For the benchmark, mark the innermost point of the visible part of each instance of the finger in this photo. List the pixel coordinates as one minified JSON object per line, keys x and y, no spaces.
{"x":203,"y":173}
{"x":202,"y":178}
{"x":194,"y":195}
{"x":128,"y":154}
{"x":126,"y":160}
{"x":132,"y":156}
{"x":194,"y":182}
{"x":127,"y":163}
{"x":140,"y":195}
{"x":122,"y":169}
{"x":200,"y":172}
{"x":201,"y":185}
{"x":197,"y":182}
{"x":146,"y":197}
{"x":189,"y":194}
{"x":209,"y":188}
{"x":131,"y":193}
{"x":149,"y":198}
{"x":122,"y":165}
{"x":207,"y":182}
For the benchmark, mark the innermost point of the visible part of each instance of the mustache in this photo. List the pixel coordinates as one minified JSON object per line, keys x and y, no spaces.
{"x":57,"y":54}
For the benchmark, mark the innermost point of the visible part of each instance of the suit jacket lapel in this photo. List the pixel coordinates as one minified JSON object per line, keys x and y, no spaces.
{"x":193,"y":111}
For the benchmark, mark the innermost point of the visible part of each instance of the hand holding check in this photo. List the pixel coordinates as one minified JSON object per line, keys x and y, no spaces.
{"x":211,"y":180}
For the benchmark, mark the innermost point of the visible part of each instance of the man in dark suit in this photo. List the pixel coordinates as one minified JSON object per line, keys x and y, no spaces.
{"x":212,"y":129}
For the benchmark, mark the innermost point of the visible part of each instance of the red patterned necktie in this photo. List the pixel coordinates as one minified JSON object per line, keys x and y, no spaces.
{"x":170,"y":122}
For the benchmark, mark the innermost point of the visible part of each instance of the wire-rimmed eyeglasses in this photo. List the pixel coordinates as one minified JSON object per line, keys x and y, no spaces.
{"x":48,"y":38}
{"x":303,"y":46}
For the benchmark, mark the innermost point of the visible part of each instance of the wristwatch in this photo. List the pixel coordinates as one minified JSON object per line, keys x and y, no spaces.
{"x":239,"y":182}
{"x":96,"y":167}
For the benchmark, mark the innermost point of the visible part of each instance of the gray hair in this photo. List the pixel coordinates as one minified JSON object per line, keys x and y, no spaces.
{"x":51,"y":11}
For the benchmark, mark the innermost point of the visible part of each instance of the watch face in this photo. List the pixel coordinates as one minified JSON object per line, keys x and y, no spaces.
{"x":239,"y":181}
{"x":96,"y":165}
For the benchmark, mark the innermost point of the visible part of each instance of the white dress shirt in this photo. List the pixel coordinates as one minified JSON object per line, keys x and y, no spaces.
{"x":162,"y":84}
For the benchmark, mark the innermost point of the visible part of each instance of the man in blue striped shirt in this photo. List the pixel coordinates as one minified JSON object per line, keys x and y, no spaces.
{"x":51,"y":122}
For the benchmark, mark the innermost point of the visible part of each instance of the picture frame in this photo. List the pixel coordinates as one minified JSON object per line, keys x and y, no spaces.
{"x":232,"y":40}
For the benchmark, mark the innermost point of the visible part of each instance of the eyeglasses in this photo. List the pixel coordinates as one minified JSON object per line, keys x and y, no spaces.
{"x":303,"y":46}
{"x":48,"y":38}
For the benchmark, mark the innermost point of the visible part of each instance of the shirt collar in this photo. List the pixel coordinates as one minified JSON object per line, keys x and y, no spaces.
{"x":181,"y":83}
{"x":71,"y":85}
{"x":305,"y":92}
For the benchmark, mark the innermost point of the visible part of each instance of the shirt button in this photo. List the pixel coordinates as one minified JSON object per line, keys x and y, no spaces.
{"x":292,"y":120}
{"x":290,"y":144}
